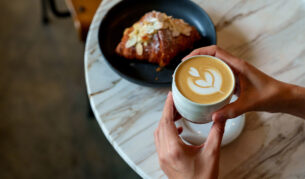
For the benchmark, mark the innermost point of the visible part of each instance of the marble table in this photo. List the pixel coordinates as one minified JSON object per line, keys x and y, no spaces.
{"x":268,"y":34}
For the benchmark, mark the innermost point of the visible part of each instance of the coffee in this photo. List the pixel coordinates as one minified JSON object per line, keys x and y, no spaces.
{"x":204,"y":80}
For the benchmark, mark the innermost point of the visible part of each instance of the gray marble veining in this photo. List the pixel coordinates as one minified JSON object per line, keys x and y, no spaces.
{"x":269,"y":35}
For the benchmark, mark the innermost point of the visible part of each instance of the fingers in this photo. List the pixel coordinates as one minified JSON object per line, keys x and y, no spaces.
{"x":237,"y":64}
{"x":210,"y":50}
{"x":230,"y":111}
{"x":167,"y":125}
{"x":167,"y":135}
{"x":214,"y":139}
{"x":168,"y":109}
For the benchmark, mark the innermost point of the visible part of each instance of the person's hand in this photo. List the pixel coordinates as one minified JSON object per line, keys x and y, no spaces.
{"x":179,"y":160}
{"x":256,"y":90}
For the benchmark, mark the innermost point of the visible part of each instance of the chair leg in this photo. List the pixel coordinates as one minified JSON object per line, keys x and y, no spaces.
{"x":44,"y":12}
{"x":55,"y":11}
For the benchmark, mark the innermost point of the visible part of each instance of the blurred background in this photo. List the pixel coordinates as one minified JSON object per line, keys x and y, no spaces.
{"x":45,"y":129}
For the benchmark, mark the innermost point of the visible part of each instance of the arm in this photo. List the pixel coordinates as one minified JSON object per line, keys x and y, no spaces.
{"x":256,"y":90}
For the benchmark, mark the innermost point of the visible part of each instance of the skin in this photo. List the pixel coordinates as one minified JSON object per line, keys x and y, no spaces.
{"x":179,"y":160}
{"x":257,"y":92}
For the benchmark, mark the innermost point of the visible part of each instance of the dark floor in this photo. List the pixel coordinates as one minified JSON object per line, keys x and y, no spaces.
{"x":44,"y":128}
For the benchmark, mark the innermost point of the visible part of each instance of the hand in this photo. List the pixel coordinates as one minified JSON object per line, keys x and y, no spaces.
{"x":179,"y":160}
{"x":256,"y":90}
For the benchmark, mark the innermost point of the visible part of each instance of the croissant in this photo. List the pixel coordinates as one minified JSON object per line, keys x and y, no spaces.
{"x":157,"y":38}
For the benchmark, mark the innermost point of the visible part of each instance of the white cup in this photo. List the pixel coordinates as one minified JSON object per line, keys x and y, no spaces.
{"x":196,"y":112}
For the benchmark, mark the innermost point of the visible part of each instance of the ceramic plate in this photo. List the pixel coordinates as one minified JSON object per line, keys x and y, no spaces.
{"x":196,"y":134}
{"x":127,"y":12}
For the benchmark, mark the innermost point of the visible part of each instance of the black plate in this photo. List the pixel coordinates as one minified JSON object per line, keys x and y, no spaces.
{"x":127,"y":12}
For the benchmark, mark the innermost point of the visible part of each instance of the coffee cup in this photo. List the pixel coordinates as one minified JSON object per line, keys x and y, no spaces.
{"x":201,"y":85}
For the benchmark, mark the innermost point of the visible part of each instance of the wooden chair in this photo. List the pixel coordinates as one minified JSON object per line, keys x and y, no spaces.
{"x":82,"y":12}
{"x":46,"y":4}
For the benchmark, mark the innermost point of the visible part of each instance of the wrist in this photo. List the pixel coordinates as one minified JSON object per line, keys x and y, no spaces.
{"x":295,"y":101}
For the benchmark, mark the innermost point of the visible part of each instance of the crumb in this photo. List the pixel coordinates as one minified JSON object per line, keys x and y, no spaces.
{"x":158,"y":69}
{"x":156,"y":78}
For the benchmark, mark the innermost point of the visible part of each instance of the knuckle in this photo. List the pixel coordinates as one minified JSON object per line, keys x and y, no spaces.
{"x":175,"y":153}
{"x":162,"y":159}
{"x":215,"y":47}
{"x":196,"y":51}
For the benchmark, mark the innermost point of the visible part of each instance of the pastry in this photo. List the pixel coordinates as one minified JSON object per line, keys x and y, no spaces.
{"x":157,"y":38}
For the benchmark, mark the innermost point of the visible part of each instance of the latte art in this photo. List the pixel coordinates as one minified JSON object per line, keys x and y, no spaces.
{"x":204,"y":79}
{"x":207,"y":84}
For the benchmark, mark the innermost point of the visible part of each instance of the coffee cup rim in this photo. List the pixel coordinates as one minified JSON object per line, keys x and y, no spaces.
{"x":200,"y":104}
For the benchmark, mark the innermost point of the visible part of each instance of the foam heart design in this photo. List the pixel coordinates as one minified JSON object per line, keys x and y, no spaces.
{"x":194,"y":72}
{"x":208,"y":82}
{"x":206,"y":85}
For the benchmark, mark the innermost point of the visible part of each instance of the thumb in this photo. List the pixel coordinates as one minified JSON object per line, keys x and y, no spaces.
{"x":229,"y":111}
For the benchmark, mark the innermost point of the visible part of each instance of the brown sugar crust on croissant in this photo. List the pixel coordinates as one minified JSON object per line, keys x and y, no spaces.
{"x":161,"y":46}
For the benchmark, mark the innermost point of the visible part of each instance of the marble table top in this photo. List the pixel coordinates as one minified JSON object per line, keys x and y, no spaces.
{"x":268,"y":34}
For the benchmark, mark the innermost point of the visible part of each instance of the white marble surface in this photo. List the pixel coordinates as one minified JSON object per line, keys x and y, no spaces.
{"x":268,"y":34}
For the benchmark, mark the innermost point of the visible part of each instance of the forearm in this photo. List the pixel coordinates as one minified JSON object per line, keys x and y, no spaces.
{"x":294,"y":101}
